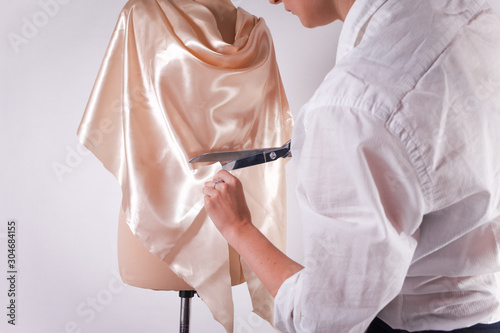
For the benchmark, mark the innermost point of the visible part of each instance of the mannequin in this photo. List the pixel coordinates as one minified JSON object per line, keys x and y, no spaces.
{"x":180,"y":78}
{"x":139,"y":267}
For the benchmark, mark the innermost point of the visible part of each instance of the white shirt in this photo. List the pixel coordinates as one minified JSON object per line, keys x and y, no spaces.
{"x":398,"y":166}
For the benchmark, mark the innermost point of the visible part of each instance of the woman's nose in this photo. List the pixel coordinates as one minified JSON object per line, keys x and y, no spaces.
{"x":274,"y":2}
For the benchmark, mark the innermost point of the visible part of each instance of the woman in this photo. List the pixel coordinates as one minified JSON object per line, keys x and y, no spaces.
{"x":398,"y":166}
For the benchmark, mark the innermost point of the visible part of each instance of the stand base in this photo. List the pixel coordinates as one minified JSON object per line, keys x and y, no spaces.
{"x":185,"y":296}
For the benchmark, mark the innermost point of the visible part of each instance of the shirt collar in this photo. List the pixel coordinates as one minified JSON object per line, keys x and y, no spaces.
{"x":357,"y":18}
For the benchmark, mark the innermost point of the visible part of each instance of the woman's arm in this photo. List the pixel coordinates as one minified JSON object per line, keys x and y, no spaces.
{"x":226,"y":206}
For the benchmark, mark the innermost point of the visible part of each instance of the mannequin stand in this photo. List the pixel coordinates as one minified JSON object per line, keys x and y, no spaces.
{"x":185,"y":296}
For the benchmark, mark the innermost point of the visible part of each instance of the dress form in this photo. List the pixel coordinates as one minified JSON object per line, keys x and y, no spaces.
{"x":181,"y":78}
{"x":140,"y":268}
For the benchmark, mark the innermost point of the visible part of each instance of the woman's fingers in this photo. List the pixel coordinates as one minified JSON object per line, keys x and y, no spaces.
{"x":213,"y":186}
{"x":225,"y":177}
{"x":225,"y":202}
{"x":220,"y":182}
{"x":209,"y":189}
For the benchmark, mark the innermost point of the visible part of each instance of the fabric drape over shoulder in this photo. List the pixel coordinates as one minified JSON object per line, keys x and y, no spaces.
{"x":170,"y":88}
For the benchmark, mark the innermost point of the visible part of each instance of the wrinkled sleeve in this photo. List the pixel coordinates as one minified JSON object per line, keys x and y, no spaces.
{"x":361,"y":204}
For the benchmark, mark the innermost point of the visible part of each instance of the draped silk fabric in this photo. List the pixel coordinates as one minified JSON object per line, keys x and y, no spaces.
{"x":171,"y":88}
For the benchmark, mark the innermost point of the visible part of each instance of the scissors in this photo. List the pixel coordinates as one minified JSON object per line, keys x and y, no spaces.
{"x":245,"y":158}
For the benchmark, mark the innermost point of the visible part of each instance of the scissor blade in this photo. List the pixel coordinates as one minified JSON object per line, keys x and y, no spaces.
{"x":244,"y":162}
{"x":225,"y":156}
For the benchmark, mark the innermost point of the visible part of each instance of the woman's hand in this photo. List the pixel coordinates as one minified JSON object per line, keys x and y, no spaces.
{"x":226,"y":205}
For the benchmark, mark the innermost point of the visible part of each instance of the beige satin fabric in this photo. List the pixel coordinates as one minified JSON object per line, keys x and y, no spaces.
{"x":170,"y":88}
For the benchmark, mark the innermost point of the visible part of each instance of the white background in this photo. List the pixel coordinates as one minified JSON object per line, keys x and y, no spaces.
{"x":67,"y":224}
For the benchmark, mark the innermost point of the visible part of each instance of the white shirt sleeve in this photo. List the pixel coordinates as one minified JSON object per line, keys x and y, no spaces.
{"x":361,"y":205}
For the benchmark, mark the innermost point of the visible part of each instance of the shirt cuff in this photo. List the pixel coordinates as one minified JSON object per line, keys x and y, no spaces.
{"x":287,"y":315}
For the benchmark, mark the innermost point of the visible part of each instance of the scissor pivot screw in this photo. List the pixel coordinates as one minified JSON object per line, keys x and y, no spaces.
{"x":272,"y":155}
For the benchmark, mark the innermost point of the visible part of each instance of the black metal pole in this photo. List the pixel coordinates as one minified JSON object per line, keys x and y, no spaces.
{"x":185,"y":296}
